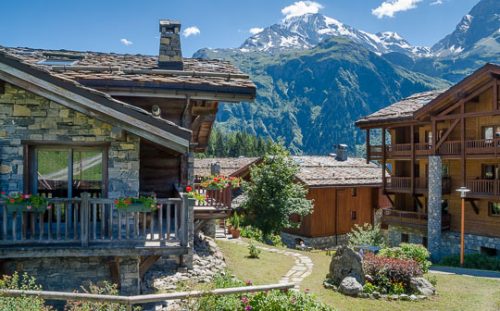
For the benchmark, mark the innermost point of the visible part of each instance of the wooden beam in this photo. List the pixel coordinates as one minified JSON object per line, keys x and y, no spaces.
{"x":368,"y":146}
{"x":433,"y":131}
{"x":474,"y":206}
{"x":466,"y":115}
{"x":412,"y":168}
{"x":384,"y":158}
{"x":146,"y":264}
{"x":496,"y":105}
{"x":197,"y":111}
{"x":447,"y":133}
{"x":390,"y":199}
{"x":451,"y":108}
{"x":114,"y":269}
{"x":462,"y":142}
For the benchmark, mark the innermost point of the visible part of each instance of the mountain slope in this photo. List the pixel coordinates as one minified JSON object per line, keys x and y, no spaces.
{"x":311,"y":98}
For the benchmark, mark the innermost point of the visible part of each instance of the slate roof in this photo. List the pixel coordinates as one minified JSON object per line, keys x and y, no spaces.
{"x":229,"y":166}
{"x":327,"y":171}
{"x":111,"y":69}
{"x":402,"y":110}
{"x":314,"y":170}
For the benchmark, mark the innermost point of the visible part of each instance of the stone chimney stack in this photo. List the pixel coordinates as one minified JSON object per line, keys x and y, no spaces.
{"x":341,"y":152}
{"x":170,"y":56}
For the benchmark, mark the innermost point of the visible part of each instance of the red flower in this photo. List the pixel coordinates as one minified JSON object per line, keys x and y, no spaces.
{"x":117,"y":202}
{"x":3,"y":193}
{"x":12,"y":201}
{"x":189,"y":189}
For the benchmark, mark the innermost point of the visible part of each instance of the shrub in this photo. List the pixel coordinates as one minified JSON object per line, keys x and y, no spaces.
{"x":254,"y":251}
{"x":369,"y":288}
{"x":397,"y":288}
{"x":387,"y":271}
{"x":25,"y":303}
{"x":273,"y":239}
{"x":473,"y":261}
{"x":252,"y":233}
{"x":432,"y":279}
{"x":416,"y":252}
{"x":366,"y":235}
{"x":103,"y":288}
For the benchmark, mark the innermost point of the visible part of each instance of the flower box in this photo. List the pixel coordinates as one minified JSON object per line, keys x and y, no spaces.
{"x":137,"y":207}
{"x":23,"y":207}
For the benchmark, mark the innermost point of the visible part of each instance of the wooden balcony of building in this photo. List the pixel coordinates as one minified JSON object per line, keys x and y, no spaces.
{"x":403,"y":185}
{"x":483,"y":188}
{"x":217,"y":203}
{"x":94,"y":227}
{"x":453,"y":148}
{"x":414,"y":220}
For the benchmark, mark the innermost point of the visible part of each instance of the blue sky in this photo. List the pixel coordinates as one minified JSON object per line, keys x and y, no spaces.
{"x":102,"y":25}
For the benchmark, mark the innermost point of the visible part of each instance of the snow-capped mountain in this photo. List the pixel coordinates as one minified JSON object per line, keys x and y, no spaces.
{"x":482,"y":22}
{"x":306,"y":31}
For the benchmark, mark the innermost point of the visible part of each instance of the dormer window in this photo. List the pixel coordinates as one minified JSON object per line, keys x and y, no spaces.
{"x":60,"y":59}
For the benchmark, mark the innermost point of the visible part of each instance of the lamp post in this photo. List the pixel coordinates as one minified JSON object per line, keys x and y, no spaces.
{"x":463,"y":191}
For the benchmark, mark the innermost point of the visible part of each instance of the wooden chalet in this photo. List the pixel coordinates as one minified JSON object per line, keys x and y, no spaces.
{"x":345,"y":192}
{"x":434,"y":143}
{"x":83,"y":129}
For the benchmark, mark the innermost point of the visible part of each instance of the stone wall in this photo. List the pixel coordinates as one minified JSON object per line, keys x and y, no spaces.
{"x":394,"y":235}
{"x":434,"y":208}
{"x":319,"y":242}
{"x":26,"y":116}
{"x":69,"y":273}
{"x":450,"y":243}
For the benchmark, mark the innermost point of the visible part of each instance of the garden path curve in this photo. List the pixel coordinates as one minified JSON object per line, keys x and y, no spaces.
{"x":300,"y":270}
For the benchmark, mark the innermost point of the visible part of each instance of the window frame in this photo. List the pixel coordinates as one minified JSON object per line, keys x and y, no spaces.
{"x":30,"y":165}
{"x":490,"y":208}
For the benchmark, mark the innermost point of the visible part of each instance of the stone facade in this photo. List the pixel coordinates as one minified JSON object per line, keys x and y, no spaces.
{"x":394,"y":235}
{"x":450,"y":243}
{"x":319,"y":242}
{"x":434,"y":206}
{"x":25,"y":116}
{"x":69,"y":273}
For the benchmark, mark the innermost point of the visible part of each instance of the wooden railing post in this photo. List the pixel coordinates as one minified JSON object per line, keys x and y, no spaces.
{"x":84,"y":219}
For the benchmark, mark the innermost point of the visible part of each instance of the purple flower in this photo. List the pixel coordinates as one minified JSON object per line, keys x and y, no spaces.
{"x":244,"y":299}
{"x":248,"y":308}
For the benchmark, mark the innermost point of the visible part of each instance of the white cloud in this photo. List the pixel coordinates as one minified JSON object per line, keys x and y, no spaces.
{"x":126,"y":42}
{"x":255,"y":30}
{"x":390,"y":7}
{"x":300,"y":8}
{"x":437,"y":2}
{"x":191,"y":31}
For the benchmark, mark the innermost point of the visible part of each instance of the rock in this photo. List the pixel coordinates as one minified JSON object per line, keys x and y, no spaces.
{"x":327,"y":284}
{"x":413,"y":298}
{"x":376,"y":295}
{"x":393,"y":297}
{"x":363,"y":295}
{"x":346,"y":262}
{"x":368,"y":278}
{"x":350,"y":286}
{"x":421,"y":297}
{"x":420,"y":285}
{"x":404,"y":297}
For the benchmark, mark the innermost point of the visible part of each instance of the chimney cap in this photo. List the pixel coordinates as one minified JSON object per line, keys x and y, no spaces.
{"x":169,"y":24}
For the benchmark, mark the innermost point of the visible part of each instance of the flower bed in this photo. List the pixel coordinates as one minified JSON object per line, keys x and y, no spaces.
{"x":17,"y":202}
{"x":141,"y":204}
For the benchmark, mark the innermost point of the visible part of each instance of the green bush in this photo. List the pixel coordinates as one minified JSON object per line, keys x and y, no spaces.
{"x":416,"y":252}
{"x":432,"y":279}
{"x":473,"y":261}
{"x":252,"y":233}
{"x":369,"y":288}
{"x":103,"y":288}
{"x":366,"y":235}
{"x":273,"y":239}
{"x":397,"y":289}
{"x":25,"y":303}
{"x":253,"y":250}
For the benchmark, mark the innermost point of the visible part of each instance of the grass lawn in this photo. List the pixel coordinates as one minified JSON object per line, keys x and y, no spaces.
{"x":269,"y":268}
{"x":454,"y":292}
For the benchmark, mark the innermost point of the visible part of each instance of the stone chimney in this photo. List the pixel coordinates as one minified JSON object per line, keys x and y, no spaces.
{"x":170,"y":56}
{"x":215,"y":169}
{"x":341,"y":152}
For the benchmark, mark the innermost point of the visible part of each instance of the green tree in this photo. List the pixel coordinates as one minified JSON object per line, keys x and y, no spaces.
{"x":272,"y":195}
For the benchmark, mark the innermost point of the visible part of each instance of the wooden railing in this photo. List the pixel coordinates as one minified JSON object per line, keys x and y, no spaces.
{"x":399,"y":183}
{"x":483,"y":187}
{"x":96,"y":221}
{"x":420,"y":184}
{"x":483,"y":146}
{"x":398,"y":150}
{"x":423,"y":149}
{"x":220,"y":198}
{"x":376,"y":152}
{"x":450,"y":148}
{"x":414,"y":220}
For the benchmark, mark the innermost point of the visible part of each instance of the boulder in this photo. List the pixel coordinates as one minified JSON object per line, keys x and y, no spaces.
{"x":346,"y":262}
{"x":421,"y":286}
{"x":350,"y":286}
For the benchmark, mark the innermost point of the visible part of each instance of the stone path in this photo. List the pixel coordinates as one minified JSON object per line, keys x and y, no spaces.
{"x":302,"y":268}
{"x":466,"y":272}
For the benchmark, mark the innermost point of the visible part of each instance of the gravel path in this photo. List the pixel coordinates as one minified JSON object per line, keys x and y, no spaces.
{"x":302,"y":268}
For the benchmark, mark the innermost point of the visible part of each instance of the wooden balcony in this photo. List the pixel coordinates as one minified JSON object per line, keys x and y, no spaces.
{"x":217,"y":203}
{"x":412,"y":220}
{"x":403,"y":185}
{"x":94,"y":227}
{"x":483,"y":147}
{"x":483,"y":188}
{"x":398,"y":150}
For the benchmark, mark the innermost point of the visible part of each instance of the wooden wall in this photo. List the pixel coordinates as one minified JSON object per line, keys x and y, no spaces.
{"x":333,"y":207}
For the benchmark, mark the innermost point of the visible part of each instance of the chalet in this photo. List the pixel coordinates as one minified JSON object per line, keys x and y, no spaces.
{"x":87,"y":134}
{"x":345,"y":192}
{"x":434,"y":143}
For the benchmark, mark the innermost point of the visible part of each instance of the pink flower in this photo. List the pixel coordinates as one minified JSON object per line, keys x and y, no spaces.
{"x":49,"y":206}
{"x":26,"y":196}
{"x":3,"y":193}
{"x":248,"y":308}
{"x":28,"y":207}
{"x":248,"y":282}
{"x":244,"y":299}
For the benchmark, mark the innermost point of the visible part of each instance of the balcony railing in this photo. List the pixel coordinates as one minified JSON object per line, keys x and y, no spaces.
{"x":483,"y":146}
{"x":413,"y":220}
{"x":95,"y":222}
{"x":220,"y":198}
{"x":397,"y":150}
{"x":483,"y":188}
{"x":403,"y":184}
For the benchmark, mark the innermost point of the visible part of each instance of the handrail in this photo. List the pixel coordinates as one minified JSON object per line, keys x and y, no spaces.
{"x":130,"y":301}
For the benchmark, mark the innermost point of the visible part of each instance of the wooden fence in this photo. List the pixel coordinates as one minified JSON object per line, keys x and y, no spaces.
{"x":130,"y":301}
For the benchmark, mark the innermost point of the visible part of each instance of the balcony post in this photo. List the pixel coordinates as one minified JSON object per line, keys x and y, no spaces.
{"x":368,"y":155}
{"x":384,"y":179}
{"x":434,"y":219}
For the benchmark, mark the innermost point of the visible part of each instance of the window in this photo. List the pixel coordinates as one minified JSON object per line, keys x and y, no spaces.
{"x":405,"y":238}
{"x":494,"y":209}
{"x":428,"y":137}
{"x":489,"y":171}
{"x":445,"y":170}
{"x":424,"y":241}
{"x":354,"y":192}
{"x":67,"y":172}
{"x":354,"y":215}
{"x":491,"y":132}
{"x":57,"y":62}
{"x":488,"y":251}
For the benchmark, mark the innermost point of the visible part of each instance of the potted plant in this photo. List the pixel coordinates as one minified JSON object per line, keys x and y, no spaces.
{"x":229,"y":226}
{"x":141,"y":204}
{"x":17,"y":202}
{"x":235,"y":221}
{"x":194,"y":194}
